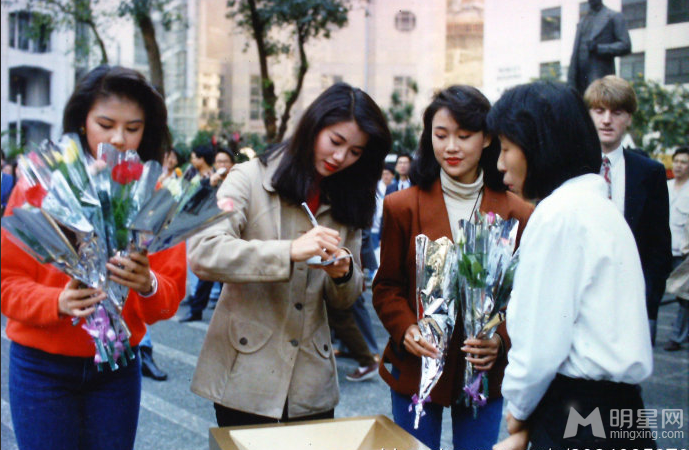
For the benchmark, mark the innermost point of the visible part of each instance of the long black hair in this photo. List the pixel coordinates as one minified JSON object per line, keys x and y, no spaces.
{"x":351,"y":192}
{"x":107,"y":81}
{"x":469,"y":108}
{"x":552,"y":126}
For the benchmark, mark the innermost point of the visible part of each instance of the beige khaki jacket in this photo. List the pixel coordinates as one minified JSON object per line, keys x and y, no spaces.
{"x":269,"y":338}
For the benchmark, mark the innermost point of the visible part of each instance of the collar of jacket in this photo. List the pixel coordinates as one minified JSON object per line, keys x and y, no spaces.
{"x":433,"y":217}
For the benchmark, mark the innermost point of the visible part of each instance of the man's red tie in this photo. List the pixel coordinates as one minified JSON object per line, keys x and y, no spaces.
{"x":605,"y":171}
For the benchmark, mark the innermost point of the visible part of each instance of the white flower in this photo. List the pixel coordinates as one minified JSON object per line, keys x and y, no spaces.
{"x":248,"y":152}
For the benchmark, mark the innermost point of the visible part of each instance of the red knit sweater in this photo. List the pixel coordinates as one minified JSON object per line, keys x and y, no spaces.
{"x":30,"y":294}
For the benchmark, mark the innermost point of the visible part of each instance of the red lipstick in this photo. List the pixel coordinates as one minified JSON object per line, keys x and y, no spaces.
{"x":453,"y":161}
{"x":330,"y":167}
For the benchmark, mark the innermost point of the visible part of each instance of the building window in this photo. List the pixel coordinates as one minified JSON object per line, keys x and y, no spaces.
{"x":29,"y":32}
{"x":30,"y":85}
{"x":677,"y":11}
{"x":632,"y":66}
{"x":33,"y":132}
{"x":550,"y":24}
{"x":255,"y":112}
{"x":405,"y":21}
{"x":550,"y":70}
{"x":634,"y":12}
{"x":677,"y":65}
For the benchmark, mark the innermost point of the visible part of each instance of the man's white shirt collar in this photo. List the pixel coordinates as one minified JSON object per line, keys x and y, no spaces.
{"x":615,"y":156}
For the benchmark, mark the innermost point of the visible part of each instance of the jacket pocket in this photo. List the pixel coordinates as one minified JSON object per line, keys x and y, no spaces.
{"x":247,"y":336}
{"x":321,"y":340}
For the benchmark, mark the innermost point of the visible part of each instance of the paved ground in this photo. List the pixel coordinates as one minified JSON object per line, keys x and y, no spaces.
{"x":174,"y":418}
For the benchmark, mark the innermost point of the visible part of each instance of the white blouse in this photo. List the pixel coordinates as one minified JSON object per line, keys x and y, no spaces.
{"x":578,"y":306}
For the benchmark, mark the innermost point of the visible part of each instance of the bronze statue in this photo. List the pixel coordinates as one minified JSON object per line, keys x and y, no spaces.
{"x":601,"y":35}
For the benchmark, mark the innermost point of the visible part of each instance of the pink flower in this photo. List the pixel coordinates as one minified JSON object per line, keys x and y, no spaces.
{"x":226,"y":204}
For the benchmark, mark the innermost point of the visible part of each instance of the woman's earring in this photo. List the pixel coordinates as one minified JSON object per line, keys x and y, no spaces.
{"x":82,"y":130}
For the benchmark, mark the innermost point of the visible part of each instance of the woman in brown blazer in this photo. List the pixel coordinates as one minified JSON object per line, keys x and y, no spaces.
{"x":456,"y":174}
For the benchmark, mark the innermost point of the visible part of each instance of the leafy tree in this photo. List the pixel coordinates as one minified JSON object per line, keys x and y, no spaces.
{"x":404,"y":131}
{"x":66,"y":14}
{"x":202,"y":137}
{"x":10,"y":146}
{"x":255,"y":141}
{"x":662,"y":120}
{"x":308,"y":19}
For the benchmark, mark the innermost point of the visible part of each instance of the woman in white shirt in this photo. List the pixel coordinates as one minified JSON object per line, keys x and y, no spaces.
{"x":577,"y":318}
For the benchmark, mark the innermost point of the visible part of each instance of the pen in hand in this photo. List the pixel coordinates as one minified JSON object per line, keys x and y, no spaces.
{"x":308,"y":212}
{"x":317,"y":260}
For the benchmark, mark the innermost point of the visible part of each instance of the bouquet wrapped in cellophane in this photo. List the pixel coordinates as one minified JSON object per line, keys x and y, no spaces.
{"x":181,"y":207}
{"x":79,"y":213}
{"x":486,"y":266}
{"x":436,"y":310}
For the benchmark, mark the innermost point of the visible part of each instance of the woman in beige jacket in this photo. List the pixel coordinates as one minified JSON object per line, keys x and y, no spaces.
{"x":267,"y":356}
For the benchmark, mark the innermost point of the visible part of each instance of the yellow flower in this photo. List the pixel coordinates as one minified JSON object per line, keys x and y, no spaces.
{"x":57,"y":156}
{"x":71,"y":152}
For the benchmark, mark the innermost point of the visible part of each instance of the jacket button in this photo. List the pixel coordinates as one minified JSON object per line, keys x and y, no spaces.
{"x":294,"y":342}
{"x":325,"y":347}
{"x":243,"y":341}
{"x":299,"y":306}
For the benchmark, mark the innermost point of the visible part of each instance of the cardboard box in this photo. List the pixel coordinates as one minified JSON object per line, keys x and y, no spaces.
{"x":354,"y":433}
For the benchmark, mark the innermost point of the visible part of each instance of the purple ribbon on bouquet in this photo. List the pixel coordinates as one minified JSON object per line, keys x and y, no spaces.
{"x":473,"y":390}
{"x":100,"y":329}
{"x":415,"y":401}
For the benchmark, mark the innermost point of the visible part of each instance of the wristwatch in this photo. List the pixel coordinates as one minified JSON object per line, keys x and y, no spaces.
{"x":154,"y":286}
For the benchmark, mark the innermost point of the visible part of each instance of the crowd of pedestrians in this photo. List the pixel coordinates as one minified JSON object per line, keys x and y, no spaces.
{"x":320,"y":217}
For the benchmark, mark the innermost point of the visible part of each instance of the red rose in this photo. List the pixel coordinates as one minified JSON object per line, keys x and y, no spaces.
{"x":126,"y":172}
{"x":35,"y":195}
{"x":120,"y":173}
{"x":135,"y":170}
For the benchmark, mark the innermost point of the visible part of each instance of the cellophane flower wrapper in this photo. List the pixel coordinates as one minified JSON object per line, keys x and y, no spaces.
{"x":436,"y":310}
{"x":48,"y":171}
{"x":486,"y":264}
{"x":68,"y":222}
{"x":180,"y":208}
{"x":123,"y":184}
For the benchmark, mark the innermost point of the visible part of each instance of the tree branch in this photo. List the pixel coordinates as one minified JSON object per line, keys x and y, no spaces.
{"x":267,"y":85}
{"x":302,"y":32}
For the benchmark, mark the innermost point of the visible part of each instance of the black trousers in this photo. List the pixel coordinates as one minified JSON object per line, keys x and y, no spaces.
{"x":228,"y":417}
{"x":614,"y":401}
{"x":199,"y":300}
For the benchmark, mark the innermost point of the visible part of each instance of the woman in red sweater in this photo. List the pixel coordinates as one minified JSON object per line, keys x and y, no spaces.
{"x":58,"y":398}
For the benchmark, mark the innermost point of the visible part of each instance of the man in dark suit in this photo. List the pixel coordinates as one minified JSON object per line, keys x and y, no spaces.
{"x":402,"y":181}
{"x":637,"y":184}
{"x":601,"y":35}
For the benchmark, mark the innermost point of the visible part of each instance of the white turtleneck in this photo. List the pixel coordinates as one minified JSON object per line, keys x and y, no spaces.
{"x":461,"y":199}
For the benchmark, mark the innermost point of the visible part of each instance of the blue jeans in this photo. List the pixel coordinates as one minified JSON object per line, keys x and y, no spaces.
{"x":146,"y":340}
{"x":63,"y":402}
{"x":468,"y":433}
